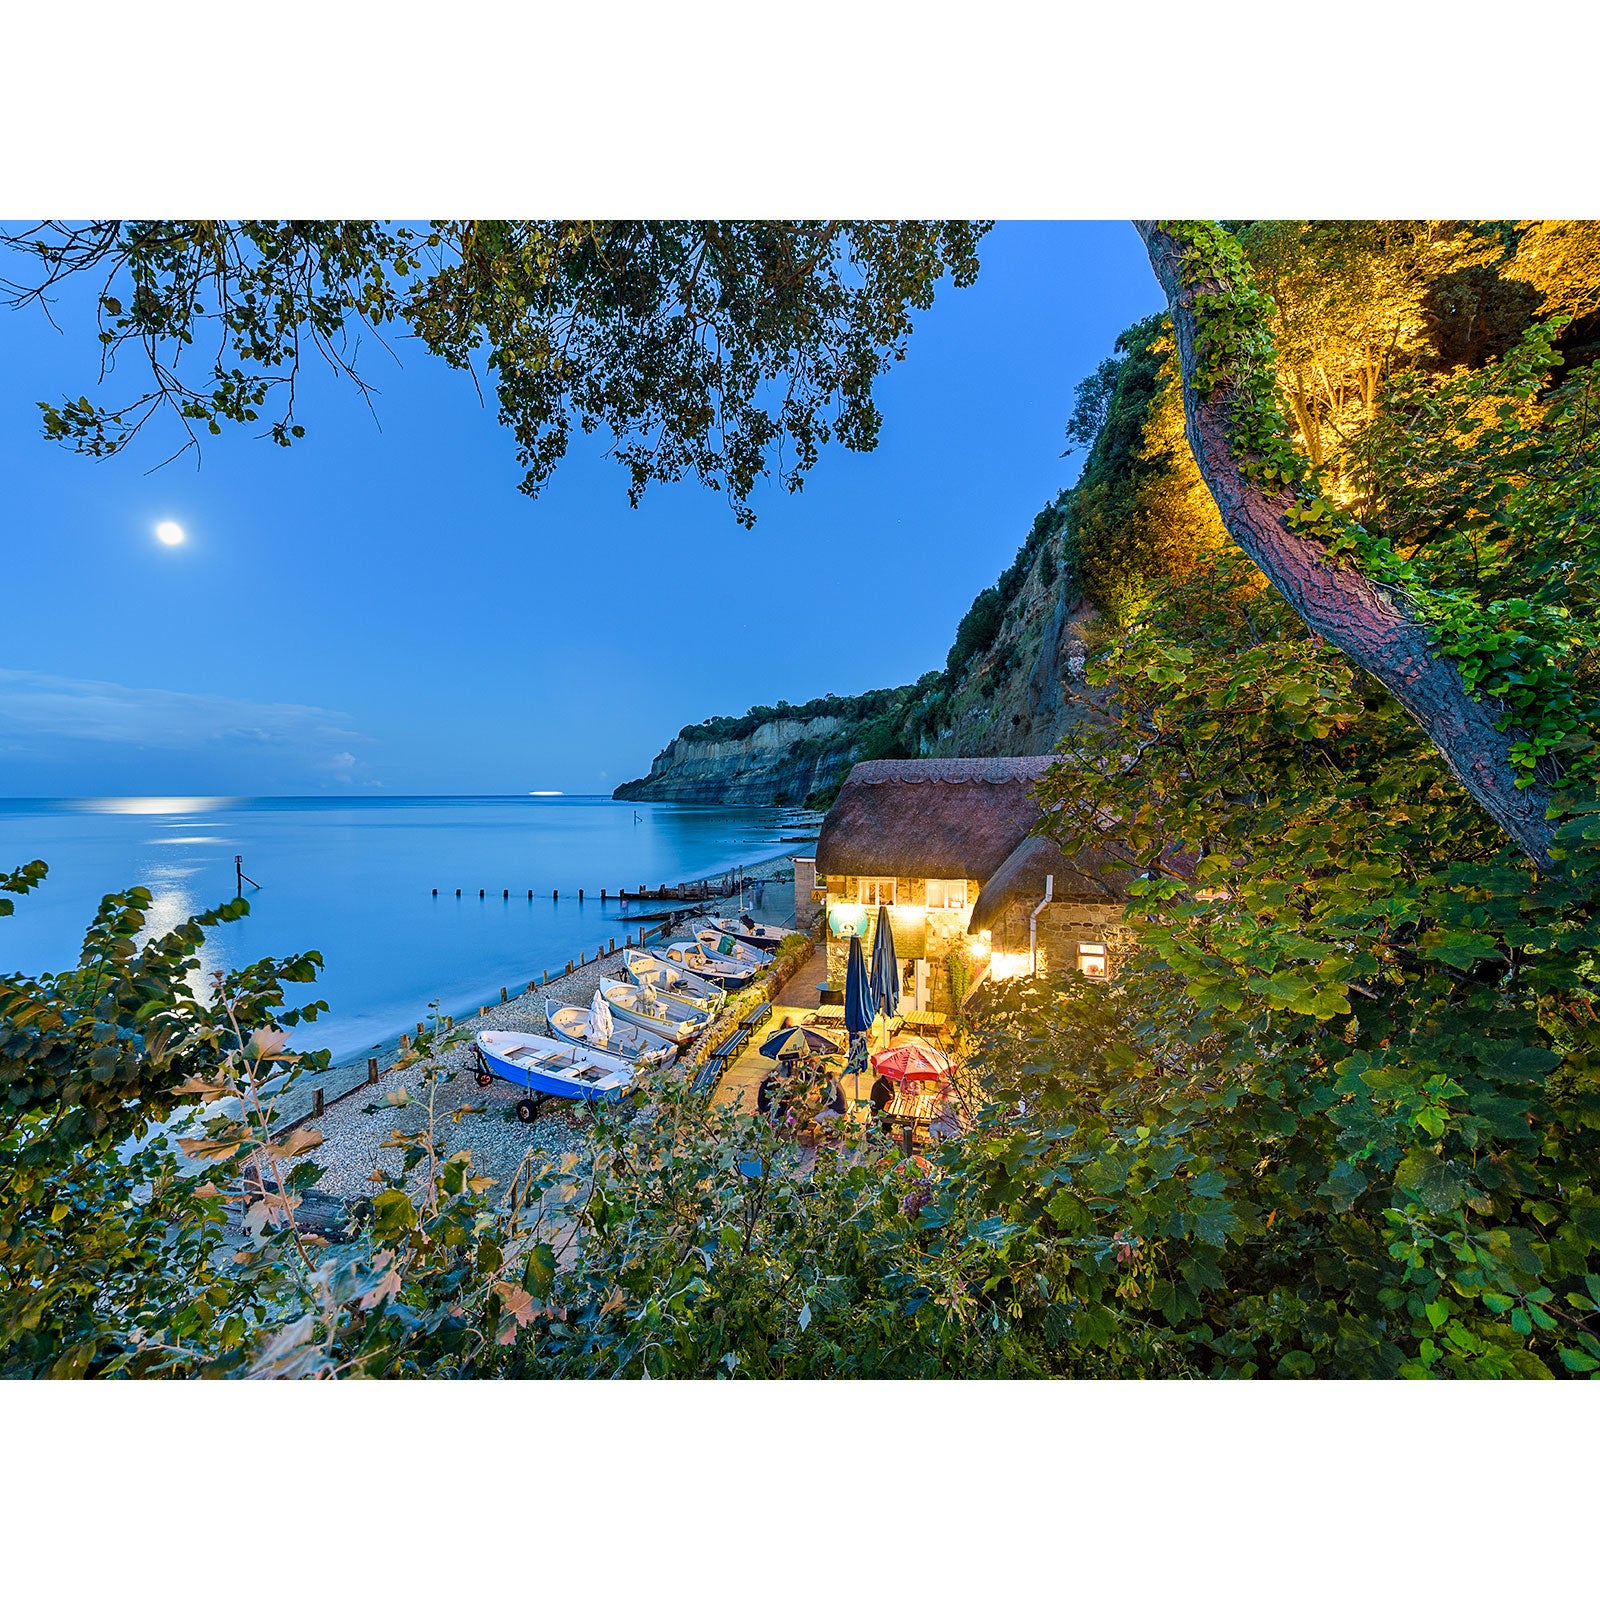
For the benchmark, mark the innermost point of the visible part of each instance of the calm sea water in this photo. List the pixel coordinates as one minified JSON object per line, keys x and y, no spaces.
{"x":352,"y":878}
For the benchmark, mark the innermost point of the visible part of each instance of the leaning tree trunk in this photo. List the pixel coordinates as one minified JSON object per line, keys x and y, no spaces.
{"x":1369,"y":622}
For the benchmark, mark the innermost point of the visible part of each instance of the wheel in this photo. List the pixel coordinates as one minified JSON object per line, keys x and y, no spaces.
{"x":484,"y":1078}
{"x":526,"y":1110}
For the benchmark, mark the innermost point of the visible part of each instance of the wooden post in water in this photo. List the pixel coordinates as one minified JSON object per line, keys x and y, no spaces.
{"x":505,"y":894}
{"x":317,"y":1102}
{"x":530,"y":894}
{"x":602,"y":897}
{"x":405,"y":1043}
{"x":555,"y":894}
{"x":546,"y":978}
{"x":580,"y":897}
{"x":502,"y":994}
{"x":458,"y":894}
{"x":480,"y":894}
{"x":435,"y":894}
{"x":372,"y":1069}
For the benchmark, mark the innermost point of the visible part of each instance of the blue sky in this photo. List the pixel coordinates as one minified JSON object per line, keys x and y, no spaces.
{"x":379,"y":610}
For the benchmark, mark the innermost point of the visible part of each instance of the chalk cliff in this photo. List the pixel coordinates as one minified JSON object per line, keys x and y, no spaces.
{"x":781,"y":762}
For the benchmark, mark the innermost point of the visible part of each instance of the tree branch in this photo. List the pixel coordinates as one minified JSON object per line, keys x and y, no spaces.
{"x":1370,"y":623}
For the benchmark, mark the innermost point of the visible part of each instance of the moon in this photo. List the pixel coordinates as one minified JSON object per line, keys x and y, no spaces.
{"x":169,"y":533}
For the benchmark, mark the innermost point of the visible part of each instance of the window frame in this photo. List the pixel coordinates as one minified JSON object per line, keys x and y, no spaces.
{"x":1094,"y":950}
{"x":946,"y":884}
{"x":870,"y":890}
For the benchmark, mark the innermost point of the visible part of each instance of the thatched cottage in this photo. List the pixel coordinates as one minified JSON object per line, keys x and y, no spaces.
{"x":946,"y":849}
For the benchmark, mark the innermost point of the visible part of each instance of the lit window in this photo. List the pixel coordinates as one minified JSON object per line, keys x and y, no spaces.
{"x":877,"y":891}
{"x":947,"y":894}
{"x":1092,"y":960}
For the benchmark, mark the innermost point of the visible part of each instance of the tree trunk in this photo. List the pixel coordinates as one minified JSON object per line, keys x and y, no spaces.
{"x":1369,"y":622}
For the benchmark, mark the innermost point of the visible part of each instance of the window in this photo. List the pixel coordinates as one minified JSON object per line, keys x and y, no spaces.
{"x":877,"y":891}
{"x":947,"y":894}
{"x":1092,"y":960}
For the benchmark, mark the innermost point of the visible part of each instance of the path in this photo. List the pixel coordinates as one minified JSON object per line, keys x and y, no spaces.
{"x":796,"y":998}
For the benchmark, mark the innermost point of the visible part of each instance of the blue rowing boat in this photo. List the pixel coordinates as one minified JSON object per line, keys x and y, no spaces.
{"x":549,"y":1067}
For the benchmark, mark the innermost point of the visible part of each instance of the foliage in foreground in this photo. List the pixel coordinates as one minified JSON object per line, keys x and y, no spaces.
{"x":153,"y":1221}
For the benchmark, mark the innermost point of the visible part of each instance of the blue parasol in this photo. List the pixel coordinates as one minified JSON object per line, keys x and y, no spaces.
{"x":798,"y":1041}
{"x":859,"y":1009}
{"x":859,"y":1005}
{"x":885,"y":975}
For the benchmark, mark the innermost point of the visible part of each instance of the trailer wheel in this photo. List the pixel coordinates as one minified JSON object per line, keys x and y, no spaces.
{"x":527,"y":1110}
{"x":485,"y":1078}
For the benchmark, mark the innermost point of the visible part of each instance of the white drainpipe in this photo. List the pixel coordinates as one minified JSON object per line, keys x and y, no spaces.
{"x":1033,"y":922}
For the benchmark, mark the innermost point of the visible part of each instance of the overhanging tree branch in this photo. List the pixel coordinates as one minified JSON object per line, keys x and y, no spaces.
{"x":1372,"y":623}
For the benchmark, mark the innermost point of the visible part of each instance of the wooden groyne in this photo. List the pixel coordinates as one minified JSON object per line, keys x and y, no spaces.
{"x":696,"y":893}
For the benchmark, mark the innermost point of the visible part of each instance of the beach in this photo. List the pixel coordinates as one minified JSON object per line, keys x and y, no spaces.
{"x":358,"y":1116}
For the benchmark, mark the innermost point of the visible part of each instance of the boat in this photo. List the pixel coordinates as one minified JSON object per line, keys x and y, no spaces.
{"x":668,"y":978}
{"x":676,"y":1021}
{"x":549,"y":1067}
{"x":600,"y":1031}
{"x":763,"y":935}
{"x":692,"y":957}
{"x":727,"y":944}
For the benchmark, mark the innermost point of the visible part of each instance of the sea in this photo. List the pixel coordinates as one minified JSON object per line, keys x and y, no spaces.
{"x":353,"y":878}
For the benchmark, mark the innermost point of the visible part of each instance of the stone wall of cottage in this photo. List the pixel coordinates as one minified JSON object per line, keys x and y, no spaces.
{"x":920,"y":932}
{"x":1064,"y":927}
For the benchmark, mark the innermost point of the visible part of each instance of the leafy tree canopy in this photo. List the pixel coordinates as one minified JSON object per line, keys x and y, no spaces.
{"x":717,"y":350}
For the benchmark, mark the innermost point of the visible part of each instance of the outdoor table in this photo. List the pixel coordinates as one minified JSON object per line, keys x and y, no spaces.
{"x":912,"y":1108}
{"x":829,"y":1014}
{"x":937,"y":1021}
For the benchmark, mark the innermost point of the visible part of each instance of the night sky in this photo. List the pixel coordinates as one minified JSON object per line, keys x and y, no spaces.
{"x":379,"y":609}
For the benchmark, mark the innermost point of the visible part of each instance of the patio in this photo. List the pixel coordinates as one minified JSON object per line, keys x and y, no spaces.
{"x":796,"y":1004}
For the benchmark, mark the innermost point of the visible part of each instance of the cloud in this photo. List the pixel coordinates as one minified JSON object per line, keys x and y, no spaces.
{"x":49,"y":718}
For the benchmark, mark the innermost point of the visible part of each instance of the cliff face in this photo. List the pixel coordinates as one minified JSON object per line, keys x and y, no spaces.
{"x":779,"y":763}
{"x":1014,"y":695}
{"x":1025,"y":690}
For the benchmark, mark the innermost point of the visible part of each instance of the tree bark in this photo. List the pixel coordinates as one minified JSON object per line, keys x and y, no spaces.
{"x":1370,"y":623}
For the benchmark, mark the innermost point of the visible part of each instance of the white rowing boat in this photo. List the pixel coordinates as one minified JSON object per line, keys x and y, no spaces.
{"x":600,"y":1030}
{"x":674,"y":981}
{"x":692,"y":957}
{"x":763,"y":935}
{"x":676,"y":1021}
{"x":728,"y":947}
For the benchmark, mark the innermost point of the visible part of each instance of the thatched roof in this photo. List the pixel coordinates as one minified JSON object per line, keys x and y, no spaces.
{"x":1020,"y":881}
{"x":931,"y":819}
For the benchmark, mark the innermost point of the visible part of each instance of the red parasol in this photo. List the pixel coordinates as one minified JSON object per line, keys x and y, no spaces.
{"x":911,"y":1063}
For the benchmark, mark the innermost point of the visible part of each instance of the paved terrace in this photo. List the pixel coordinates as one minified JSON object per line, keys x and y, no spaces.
{"x":797,"y":998}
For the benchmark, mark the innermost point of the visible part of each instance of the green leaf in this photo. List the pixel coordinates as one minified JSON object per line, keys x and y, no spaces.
{"x":1431,"y":1180}
{"x":539,"y":1269}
